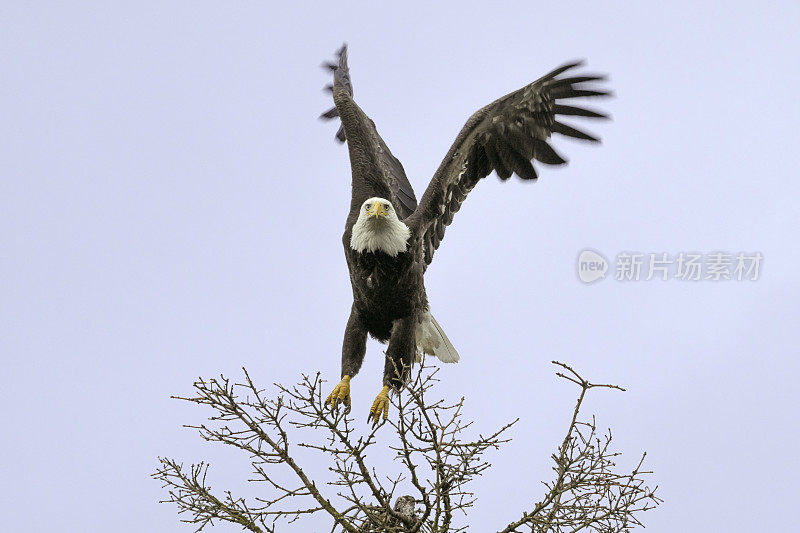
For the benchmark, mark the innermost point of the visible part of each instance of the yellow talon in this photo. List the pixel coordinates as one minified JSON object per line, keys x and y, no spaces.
{"x":381,"y":404}
{"x":340,"y":393}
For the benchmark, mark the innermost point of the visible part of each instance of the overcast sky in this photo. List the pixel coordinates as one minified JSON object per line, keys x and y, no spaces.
{"x":170,"y":208}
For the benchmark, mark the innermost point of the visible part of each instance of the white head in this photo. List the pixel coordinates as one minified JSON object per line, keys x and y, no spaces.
{"x":379,"y":229}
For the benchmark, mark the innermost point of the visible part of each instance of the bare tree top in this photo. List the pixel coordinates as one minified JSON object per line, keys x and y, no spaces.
{"x":437,"y":460}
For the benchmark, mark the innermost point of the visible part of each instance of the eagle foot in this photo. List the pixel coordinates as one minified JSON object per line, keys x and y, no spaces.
{"x":380,"y":405}
{"x":340,"y":393}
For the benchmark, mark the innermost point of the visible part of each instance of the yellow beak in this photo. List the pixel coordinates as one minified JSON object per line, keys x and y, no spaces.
{"x":378,"y":210}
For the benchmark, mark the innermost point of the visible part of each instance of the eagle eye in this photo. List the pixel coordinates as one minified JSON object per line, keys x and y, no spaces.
{"x":387,"y":206}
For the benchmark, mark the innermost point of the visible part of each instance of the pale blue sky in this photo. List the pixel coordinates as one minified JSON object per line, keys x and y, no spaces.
{"x":157,"y":163}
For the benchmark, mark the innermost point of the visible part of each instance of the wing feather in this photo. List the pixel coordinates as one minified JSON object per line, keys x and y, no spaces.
{"x":561,"y":109}
{"x":376,"y":171}
{"x":505,"y":137}
{"x":544,"y":153}
{"x":569,"y":131}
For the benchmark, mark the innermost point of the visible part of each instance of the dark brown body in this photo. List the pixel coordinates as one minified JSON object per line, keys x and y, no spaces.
{"x":388,"y":299}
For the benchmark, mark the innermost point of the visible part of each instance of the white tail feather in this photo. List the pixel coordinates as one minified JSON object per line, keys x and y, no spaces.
{"x":432,"y":340}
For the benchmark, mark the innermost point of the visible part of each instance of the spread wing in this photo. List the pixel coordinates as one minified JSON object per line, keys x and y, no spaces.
{"x":376,"y":171}
{"x":504,"y":137}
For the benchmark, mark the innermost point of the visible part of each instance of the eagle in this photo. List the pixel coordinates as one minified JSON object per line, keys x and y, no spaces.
{"x":390,"y":238}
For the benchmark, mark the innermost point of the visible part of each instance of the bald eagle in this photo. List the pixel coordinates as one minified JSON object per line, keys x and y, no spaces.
{"x":389,"y":238}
